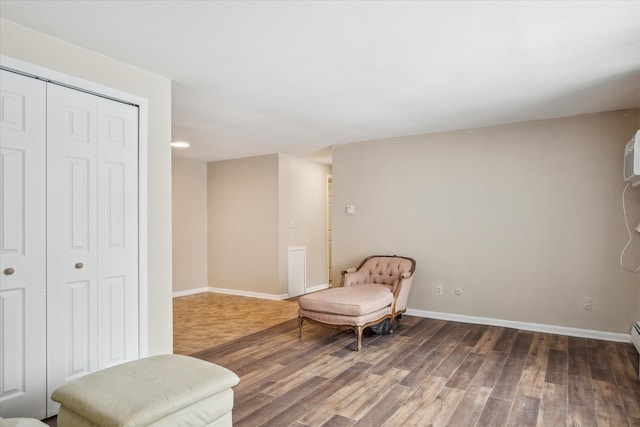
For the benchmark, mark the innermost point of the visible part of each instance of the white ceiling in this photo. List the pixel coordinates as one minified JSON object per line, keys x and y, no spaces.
{"x":252,"y":78}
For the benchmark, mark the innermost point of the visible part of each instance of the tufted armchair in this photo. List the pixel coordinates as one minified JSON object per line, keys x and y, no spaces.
{"x":377,"y":291}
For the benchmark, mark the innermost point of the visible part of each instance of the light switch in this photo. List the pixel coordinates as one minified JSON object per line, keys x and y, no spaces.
{"x":292,"y":223}
{"x":351,"y":210}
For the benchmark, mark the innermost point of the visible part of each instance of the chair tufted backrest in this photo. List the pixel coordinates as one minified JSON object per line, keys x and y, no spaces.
{"x":381,"y":269}
{"x":384,"y":270}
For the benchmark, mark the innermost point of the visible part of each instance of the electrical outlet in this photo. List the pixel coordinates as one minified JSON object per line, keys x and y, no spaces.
{"x":587,"y":303}
{"x":458,"y":291}
{"x":438,"y":290}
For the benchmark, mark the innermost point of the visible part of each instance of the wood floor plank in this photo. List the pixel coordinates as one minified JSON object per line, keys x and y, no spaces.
{"x":452,"y":361}
{"x":438,"y":412}
{"x":422,"y":397}
{"x":559,"y":342}
{"x":470,"y":407}
{"x":599,"y":363}
{"x":508,"y":379}
{"x":265,"y":412}
{"x":579,"y":416}
{"x":287,"y":417}
{"x":349,"y":375}
{"x":553,"y":405}
{"x":609,"y":404}
{"x":388,"y":404}
{"x":533,"y":375}
{"x":495,"y":412}
{"x":394,"y":358}
{"x":474,"y":334}
{"x":631,"y":400}
{"x":624,"y":377}
{"x":524,"y":412}
{"x":373,"y":393}
{"x":490,"y":369}
{"x":521,"y":345}
{"x":338,"y":421}
{"x":580,"y":391}
{"x":539,"y":345}
{"x":577,"y":351}
{"x":465,"y":373}
{"x":556,"y":367}
{"x":422,"y":372}
{"x":488,"y":340}
{"x":506,"y":339}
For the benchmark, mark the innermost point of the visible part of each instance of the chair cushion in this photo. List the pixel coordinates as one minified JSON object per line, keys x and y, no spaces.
{"x":338,"y":319}
{"x":350,"y":301}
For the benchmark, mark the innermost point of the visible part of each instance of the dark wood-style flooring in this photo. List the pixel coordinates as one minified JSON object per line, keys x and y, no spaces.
{"x":427,"y":373}
{"x":430,"y":372}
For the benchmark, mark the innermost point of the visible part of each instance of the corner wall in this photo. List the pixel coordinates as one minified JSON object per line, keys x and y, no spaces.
{"x":251,"y":205}
{"x":303,"y":200}
{"x":525,"y":219}
{"x":242,"y":205}
{"x":189,"y":200}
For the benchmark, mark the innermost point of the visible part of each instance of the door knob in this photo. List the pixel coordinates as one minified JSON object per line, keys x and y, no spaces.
{"x":79,"y":265}
{"x":9,"y":271}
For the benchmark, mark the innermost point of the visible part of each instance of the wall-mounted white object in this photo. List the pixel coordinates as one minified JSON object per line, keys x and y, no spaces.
{"x":351,"y":210}
{"x":297,"y":271}
{"x":632,"y":160}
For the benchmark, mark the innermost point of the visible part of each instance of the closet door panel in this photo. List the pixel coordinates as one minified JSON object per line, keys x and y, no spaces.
{"x":72,"y":260}
{"x":117,"y":232}
{"x":22,"y":246}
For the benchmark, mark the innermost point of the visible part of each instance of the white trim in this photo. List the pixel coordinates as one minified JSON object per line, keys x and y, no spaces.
{"x":143,"y":124}
{"x":536,"y":327}
{"x":247,"y":293}
{"x":190,"y":292}
{"x":243,"y":293}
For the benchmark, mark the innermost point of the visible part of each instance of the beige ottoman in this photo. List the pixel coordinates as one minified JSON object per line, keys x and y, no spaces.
{"x":167,"y":390}
{"x":21,"y":422}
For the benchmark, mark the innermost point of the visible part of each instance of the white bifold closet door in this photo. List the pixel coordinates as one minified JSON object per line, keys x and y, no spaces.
{"x":22,"y":246}
{"x":92,"y":235}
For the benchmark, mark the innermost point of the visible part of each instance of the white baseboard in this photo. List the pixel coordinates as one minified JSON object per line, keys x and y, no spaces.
{"x":536,"y":327}
{"x":247,"y":293}
{"x":243,"y":293}
{"x":190,"y":292}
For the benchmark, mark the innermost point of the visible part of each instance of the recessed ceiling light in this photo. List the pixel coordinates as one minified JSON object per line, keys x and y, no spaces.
{"x":180,"y":144}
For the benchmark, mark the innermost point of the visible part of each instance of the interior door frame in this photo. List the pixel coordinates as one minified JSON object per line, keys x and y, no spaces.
{"x":42,"y":73}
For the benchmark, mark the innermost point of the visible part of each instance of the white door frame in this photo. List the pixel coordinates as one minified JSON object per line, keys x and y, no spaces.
{"x":42,"y":73}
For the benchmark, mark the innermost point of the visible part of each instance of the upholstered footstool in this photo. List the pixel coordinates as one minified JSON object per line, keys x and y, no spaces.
{"x":21,"y":422}
{"x":167,"y":390}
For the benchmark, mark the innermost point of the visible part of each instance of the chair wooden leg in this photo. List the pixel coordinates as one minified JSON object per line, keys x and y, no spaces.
{"x":300,"y":320}
{"x":359,"y":330}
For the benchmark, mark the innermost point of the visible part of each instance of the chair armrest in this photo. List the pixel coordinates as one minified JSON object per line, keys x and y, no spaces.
{"x":350,"y":277}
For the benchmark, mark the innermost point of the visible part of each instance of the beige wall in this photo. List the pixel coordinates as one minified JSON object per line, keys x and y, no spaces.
{"x":189,"y":200}
{"x":243,"y":224}
{"x":303,"y":199}
{"x":526,"y":219}
{"x":36,"y":48}
{"x":251,"y":202}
